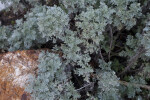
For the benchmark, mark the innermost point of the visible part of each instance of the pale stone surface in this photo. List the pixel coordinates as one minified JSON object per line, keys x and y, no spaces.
{"x":15,"y":69}
{"x":2,"y":6}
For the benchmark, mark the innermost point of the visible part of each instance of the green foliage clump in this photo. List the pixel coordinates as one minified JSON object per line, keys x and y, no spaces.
{"x":146,"y":38}
{"x":20,"y":4}
{"x":77,"y":5}
{"x":126,"y":13}
{"x":26,"y":33}
{"x":37,"y":28}
{"x":52,"y":83}
{"x":107,"y":85}
{"x":130,"y":89}
{"x":93,"y":23}
{"x":105,"y":48}
{"x":52,"y":24}
{"x":5,"y":34}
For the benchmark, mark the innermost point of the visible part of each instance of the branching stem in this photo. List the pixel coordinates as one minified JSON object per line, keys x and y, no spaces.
{"x":135,"y":85}
{"x":111,"y":42}
{"x":133,"y":60}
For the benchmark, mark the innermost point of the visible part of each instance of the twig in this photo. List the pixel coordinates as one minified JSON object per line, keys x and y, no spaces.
{"x":137,"y":70}
{"x":111,"y":41}
{"x":133,"y":60}
{"x":100,"y":53}
{"x":79,"y":83}
{"x":82,"y":87}
{"x":146,"y":9}
{"x":135,"y":85}
{"x":25,"y":3}
{"x":85,"y":86}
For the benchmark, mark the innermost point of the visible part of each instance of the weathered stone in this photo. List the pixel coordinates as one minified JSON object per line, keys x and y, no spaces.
{"x":15,"y":69}
{"x":3,"y":6}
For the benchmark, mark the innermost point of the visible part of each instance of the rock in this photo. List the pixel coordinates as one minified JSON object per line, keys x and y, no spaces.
{"x":15,"y":69}
{"x":3,"y":6}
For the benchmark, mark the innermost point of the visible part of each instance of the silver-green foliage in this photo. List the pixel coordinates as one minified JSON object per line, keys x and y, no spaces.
{"x":73,"y":54}
{"x":130,"y":89}
{"x":52,"y":83}
{"x":132,"y":44}
{"x":5,"y":32}
{"x":126,"y":13}
{"x":52,"y":21}
{"x":107,"y":85}
{"x":20,"y":4}
{"x":77,"y":5}
{"x":26,"y":32}
{"x":93,"y":23}
{"x":41,"y":24}
{"x":146,"y":38}
{"x":77,"y":46}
